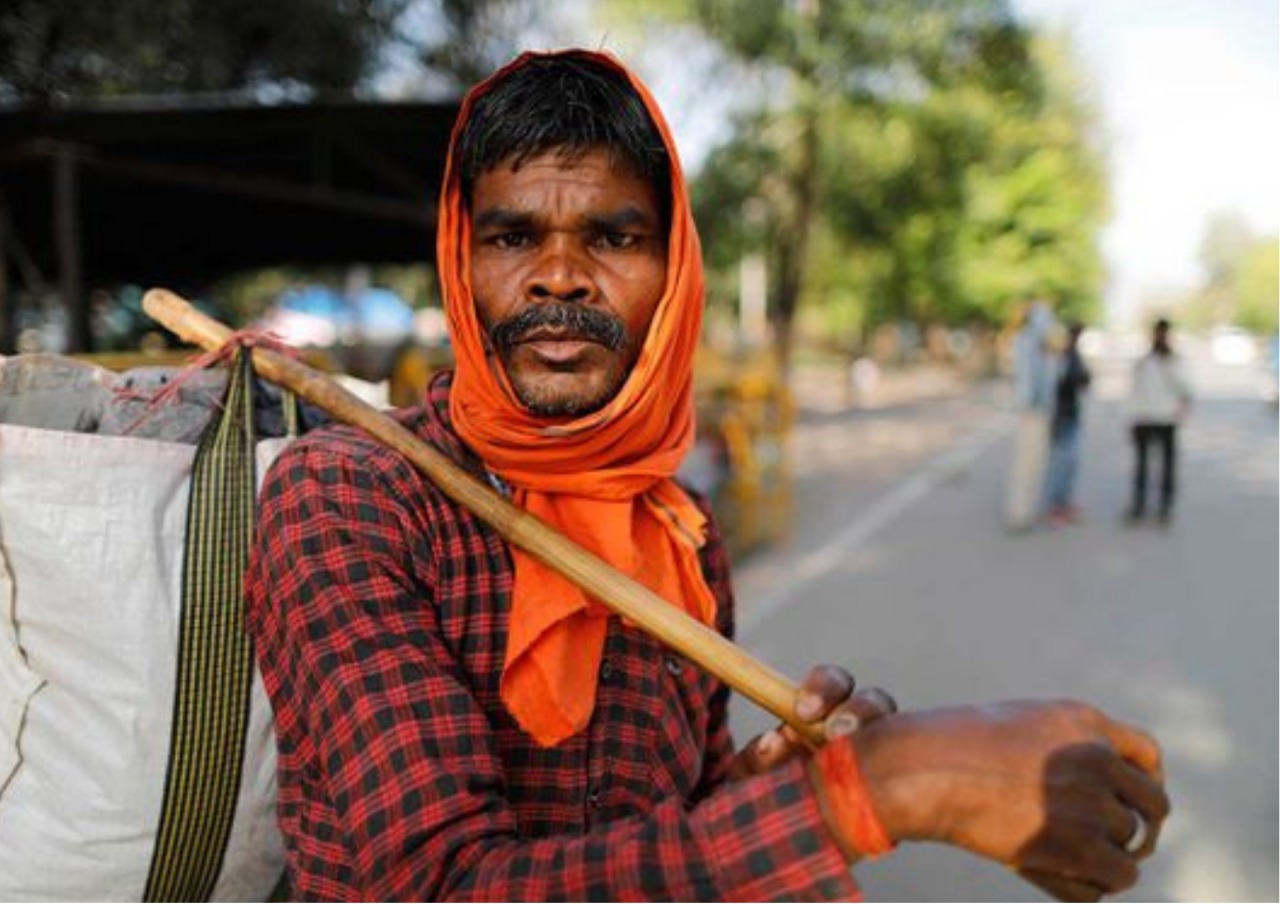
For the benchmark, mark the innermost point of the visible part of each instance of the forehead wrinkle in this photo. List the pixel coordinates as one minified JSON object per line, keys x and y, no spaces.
{"x":626,"y":216}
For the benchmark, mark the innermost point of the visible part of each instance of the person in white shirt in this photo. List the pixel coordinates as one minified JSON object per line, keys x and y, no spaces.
{"x":1160,"y":399}
{"x":1035,"y":371}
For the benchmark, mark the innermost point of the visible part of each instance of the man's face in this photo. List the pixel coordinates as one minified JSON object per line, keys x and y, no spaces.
{"x":568,"y":263}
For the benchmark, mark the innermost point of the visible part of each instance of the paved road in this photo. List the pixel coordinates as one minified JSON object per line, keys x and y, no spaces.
{"x":898,"y":568}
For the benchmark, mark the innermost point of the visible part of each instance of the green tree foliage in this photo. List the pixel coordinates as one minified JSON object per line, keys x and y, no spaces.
{"x":1037,"y":201}
{"x":1241,"y":278}
{"x":1225,"y":242}
{"x":914,"y":160}
{"x":1223,"y":245}
{"x":469,"y":39}
{"x":51,"y":48}
{"x":864,"y":146}
{"x":1259,"y":275}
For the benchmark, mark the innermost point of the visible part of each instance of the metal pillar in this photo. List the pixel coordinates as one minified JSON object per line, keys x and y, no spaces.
{"x":66,"y":228}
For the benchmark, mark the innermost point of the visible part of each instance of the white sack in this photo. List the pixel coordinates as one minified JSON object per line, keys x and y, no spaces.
{"x":91,"y":540}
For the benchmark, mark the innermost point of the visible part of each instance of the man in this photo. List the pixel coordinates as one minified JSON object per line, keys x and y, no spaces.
{"x":1064,"y":443}
{"x":1160,"y":399}
{"x":1034,"y":369}
{"x":457,"y":721}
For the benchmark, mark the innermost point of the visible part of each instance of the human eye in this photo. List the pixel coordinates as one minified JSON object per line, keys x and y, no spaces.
{"x":614,"y":240}
{"x":510,"y":239}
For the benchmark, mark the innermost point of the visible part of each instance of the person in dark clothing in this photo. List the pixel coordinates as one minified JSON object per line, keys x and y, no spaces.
{"x":1161,"y":399}
{"x":1064,"y":449}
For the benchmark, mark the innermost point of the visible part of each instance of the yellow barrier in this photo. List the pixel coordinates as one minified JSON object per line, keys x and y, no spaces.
{"x":744,"y":404}
{"x":122,"y":361}
{"x":745,"y":414}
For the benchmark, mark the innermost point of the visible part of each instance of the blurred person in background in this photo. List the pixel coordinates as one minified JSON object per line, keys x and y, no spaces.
{"x":1160,"y":398}
{"x":1064,"y":449}
{"x":1035,"y":370}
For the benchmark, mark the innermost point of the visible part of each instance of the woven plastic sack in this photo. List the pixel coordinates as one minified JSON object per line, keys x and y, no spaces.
{"x":91,"y":554}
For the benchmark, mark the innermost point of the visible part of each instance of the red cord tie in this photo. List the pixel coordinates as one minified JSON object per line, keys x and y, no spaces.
{"x":849,"y":802}
{"x":246,"y":338}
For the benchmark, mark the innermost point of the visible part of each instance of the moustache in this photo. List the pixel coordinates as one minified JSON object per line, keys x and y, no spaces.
{"x":573,"y":321}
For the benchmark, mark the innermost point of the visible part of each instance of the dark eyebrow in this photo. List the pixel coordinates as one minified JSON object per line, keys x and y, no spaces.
{"x":628,"y":217}
{"x":502,"y":218}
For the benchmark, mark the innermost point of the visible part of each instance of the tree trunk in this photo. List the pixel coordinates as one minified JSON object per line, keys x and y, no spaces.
{"x":793,"y":237}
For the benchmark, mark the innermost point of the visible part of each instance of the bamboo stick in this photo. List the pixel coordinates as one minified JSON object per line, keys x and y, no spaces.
{"x":622,"y":595}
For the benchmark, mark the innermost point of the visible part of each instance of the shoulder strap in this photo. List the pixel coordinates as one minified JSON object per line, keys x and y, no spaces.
{"x":215,"y":657}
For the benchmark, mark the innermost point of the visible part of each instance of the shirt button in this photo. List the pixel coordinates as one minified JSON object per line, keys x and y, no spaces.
{"x":674,"y":665}
{"x":594,"y":798}
{"x":606,"y":670}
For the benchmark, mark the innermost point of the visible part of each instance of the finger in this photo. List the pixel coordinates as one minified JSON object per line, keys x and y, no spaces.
{"x":1110,"y":868}
{"x":1121,"y":822}
{"x":877,"y":698}
{"x":863,"y":708}
{"x":763,"y":753}
{"x":1138,"y":791}
{"x":823,"y":689}
{"x":1136,"y":746}
{"x":1062,"y":887}
{"x":756,"y":756}
{"x":795,"y":742}
{"x":1141,"y":791}
{"x":1086,"y":857}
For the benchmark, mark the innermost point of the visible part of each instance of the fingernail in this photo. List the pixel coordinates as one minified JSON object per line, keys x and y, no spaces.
{"x":767,"y":746}
{"x":881,"y":698}
{"x":842,"y":723}
{"x":809,"y":706}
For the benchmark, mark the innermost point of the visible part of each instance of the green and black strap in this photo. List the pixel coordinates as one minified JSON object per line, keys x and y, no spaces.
{"x":215,"y":657}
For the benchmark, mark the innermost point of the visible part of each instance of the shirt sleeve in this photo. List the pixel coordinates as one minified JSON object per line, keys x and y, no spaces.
{"x":1182,"y":375}
{"x":403,"y":753}
{"x":720,"y":749}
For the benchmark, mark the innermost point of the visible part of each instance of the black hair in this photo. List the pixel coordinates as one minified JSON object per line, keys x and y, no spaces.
{"x":566,"y":104}
{"x":1160,"y":337}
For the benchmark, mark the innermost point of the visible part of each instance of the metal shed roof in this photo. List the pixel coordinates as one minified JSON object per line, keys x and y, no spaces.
{"x":179,"y":193}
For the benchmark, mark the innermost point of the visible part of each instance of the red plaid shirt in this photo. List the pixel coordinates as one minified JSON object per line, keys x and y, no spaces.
{"x":379,"y":609}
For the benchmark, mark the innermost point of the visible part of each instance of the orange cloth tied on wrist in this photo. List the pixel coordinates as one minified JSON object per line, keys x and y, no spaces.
{"x":604,"y":479}
{"x":849,"y":800}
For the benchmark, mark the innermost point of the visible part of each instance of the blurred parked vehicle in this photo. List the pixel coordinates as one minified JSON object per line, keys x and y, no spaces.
{"x":371,"y":335}
{"x":363,"y":333}
{"x":1232,"y":346}
{"x":1270,"y":382}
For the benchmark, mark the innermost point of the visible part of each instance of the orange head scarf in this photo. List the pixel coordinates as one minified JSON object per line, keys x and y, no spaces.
{"x":603,"y":479}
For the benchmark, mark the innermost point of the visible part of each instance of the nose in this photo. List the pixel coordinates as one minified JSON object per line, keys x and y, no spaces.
{"x":560,"y":272}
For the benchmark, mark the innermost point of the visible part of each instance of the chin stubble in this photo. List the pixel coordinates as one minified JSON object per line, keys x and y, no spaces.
{"x":576,"y":321}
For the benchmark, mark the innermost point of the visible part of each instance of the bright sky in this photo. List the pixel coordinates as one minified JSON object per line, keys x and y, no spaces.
{"x":1190,"y":92}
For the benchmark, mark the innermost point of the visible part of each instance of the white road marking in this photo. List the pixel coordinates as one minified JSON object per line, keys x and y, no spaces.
{"x":823,"y":560}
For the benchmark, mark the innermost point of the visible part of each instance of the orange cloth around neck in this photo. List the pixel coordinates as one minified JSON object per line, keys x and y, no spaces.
{"x":604,"y":480}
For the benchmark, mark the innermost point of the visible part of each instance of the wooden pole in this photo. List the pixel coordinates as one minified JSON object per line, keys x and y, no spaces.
{"x":624,"y":596}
